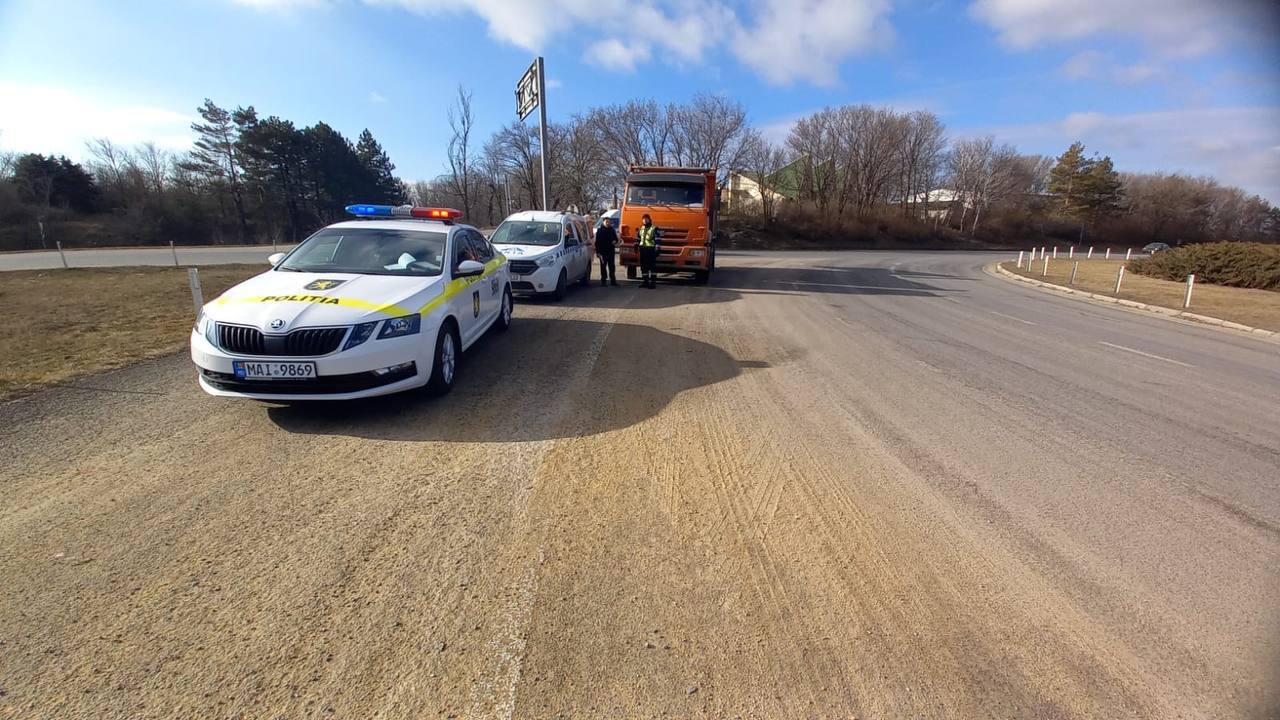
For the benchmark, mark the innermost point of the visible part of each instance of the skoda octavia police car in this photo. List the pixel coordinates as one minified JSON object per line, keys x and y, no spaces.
{"x":371,"y":306}
{"x":546,"y":250}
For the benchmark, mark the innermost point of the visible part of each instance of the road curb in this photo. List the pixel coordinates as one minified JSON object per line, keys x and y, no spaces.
{"x":1171,"y":313}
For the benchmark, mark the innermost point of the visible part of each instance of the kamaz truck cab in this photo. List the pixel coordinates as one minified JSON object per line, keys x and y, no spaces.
{"x":683,"y":203}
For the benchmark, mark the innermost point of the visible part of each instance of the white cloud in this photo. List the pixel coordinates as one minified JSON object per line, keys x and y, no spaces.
{"x":1238,"y":146}
{"x":1172,"y":28}
{"x":554,"y":84}
{"x":614,"y":55}
{"x":1082,"y":65}
{"x":46,"y":119}
{"x":376,"y":97}
{"x":785,"y":41}
{"x":281,"y":5}
{"x":807,"y":40}
{"x":1137,"y":73}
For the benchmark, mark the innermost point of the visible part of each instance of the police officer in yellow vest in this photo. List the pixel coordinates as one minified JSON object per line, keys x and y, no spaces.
{"x":649,"y":238}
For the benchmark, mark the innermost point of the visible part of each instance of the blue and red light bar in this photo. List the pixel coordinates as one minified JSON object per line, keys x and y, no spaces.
{"x":403,"y":211}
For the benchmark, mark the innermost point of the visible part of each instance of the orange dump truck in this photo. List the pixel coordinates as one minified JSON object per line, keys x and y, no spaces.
{"x":683,"y":203}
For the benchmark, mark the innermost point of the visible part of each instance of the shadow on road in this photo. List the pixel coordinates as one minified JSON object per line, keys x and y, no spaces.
{"x":535,"y":382}
{"x":730,"y":283}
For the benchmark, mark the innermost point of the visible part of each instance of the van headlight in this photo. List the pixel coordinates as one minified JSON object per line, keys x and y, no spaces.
{"x":546,"y":260}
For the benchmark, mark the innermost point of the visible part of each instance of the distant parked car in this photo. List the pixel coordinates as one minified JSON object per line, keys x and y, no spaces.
{"x":1154,"y":248}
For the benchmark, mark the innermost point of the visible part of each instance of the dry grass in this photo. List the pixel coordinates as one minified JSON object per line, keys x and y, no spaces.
{"x":1259,"y":308}
{"x":63,"y":324}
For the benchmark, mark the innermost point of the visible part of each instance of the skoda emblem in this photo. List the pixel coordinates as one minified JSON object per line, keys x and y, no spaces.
{"x":277,"y":324}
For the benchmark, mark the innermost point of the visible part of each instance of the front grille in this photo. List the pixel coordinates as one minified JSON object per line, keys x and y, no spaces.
{"x":307,"y":342}
{"x":522,"y":267}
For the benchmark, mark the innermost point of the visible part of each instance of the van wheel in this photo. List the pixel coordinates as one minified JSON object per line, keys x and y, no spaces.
{"x":561,"y":282}
{"x":586,"y":276}
{"x":444,"y":364}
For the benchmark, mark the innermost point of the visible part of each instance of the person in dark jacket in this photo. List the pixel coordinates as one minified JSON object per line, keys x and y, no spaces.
{"x":606,"y":243}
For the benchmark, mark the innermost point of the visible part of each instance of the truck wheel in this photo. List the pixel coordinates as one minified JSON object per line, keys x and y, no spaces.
{"x":701,"y":276}
{"x":631,"y":272}
{"x":558,"y":293}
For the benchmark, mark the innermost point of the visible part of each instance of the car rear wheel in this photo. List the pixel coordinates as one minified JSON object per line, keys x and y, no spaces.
{"x":444,"y":366}
{"x":504,"y":312}
{"x":585,"y":280}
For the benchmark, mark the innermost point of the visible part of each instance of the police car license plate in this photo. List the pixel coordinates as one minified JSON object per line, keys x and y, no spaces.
{"x":246,"y":370}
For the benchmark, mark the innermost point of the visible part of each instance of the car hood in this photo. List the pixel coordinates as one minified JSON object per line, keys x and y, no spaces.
{"x":525,"y":252}
{"x":292,"y":300}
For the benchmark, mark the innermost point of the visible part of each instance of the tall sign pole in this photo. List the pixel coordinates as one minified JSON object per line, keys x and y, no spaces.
{"x":531,"y":91}
{"x":542,"y":133}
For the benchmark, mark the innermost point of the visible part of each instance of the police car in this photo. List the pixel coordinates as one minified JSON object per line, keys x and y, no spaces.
{"x":371,"y":306}
{"x":546,"y":251}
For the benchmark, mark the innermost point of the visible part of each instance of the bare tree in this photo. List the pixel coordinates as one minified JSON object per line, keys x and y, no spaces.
{"x":983,"y":174}
{"x":461,"y":123}
{"x":920,"y":160}
{"x":763,"y":162}
{"x":813,"y":140}
{"x":710,"y":132}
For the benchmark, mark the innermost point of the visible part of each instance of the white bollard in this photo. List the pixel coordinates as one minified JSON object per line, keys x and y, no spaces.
{"x":1071,"y":252}
{"x":1075,"y":268}
{"x":1045,"y":272}
{"x":1128,"y":254}
{"x":174,"y":250}
{"x":61,"y":255}
{"x":1108,"y":257}
{"x":1020,"y":253}
{"x":197,"y":295}
{"x":1191,"y":283}
{"x":1090,"y":255}
{"x":1055,"y":252}
{"x":1119,"y":279}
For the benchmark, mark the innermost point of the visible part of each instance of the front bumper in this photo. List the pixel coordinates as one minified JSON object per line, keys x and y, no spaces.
{"x":542,"y":280}
{"x":343,"y":375}
{"x":671,"y":258}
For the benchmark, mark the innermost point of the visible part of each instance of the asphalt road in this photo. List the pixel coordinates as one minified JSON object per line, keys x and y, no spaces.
{"x":828,"y":485}
{"x":115,"y":257}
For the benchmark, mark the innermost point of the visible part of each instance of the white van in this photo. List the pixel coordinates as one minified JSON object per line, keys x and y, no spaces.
{"x":546,"y":251}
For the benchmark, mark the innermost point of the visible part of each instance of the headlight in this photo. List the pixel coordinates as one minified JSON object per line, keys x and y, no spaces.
{"x":401,"y":326}
{"x":546,"y":260}
{"x":695,"y":253}
{"x":359,"y":334}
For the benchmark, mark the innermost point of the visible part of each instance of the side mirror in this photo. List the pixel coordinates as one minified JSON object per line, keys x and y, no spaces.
{"x":275,"y":258}
{"x":468,"y":268}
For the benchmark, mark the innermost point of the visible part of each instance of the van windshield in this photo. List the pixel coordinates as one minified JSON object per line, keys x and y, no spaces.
{"x":681,"y":194}
{"x":527,"y":232}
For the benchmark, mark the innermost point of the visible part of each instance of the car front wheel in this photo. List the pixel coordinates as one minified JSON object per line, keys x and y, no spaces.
{"x":504,"y":312}
{"x":444,"y":366}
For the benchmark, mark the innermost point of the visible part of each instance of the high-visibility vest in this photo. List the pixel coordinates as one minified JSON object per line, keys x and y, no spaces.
{"x":648,"y":235}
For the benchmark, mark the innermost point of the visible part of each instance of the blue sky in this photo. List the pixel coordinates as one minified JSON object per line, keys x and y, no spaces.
{"x":1178,"y":85}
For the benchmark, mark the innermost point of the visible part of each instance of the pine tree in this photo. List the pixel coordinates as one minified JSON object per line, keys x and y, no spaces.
{"x":385,"y":187}
{"x":216,"y":154}
{"x":1065,"y":179}
{"x":1102,"y":192}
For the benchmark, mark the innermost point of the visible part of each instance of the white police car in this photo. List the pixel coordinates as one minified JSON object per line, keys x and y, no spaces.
{"x":546,"y":251}
{"x":365,"y":307}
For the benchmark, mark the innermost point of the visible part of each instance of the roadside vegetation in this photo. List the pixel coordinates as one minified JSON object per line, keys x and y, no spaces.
{"x":1244,"y":265}
{"x":71,"y":323}
{"x":1256,"y":308}
{"x":854,"y":173}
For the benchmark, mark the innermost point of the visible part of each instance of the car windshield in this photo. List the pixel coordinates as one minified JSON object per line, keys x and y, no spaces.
{"x":682,"y":194}
{"x":527,"y":232}
{"x":369,"y":251}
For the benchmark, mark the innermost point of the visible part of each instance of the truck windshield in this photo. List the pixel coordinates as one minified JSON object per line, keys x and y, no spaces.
{"x":368,"y":251}
{"x":527,"y":232}
{"x":681,"y":194}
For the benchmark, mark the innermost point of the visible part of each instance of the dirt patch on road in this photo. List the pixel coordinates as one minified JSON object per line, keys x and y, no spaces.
{"x":63,"y":324}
